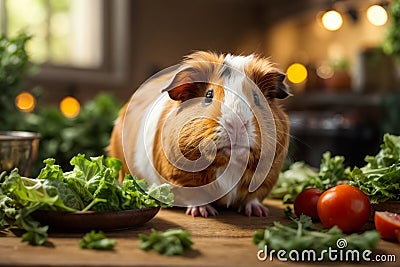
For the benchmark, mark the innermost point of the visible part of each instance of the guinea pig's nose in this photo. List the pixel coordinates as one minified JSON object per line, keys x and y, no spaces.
{"x":236,"y":125}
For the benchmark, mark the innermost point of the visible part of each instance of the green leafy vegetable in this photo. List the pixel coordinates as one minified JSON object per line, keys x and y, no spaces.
{"x":331,"y":171}
{"x":380,"y":178}
{"x":91,"y":185}
{"x":97,"y":240}
{"x":380,"y":184}
{"x":171,"y":242}
{"x":301,"y":235}
{"x":292,"y":181}
{"x":300,"y":175}
{"x":388,"y":155}
{"x":20,"y":197}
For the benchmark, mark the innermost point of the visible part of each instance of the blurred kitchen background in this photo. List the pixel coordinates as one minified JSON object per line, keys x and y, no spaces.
{"x":89,"y":56}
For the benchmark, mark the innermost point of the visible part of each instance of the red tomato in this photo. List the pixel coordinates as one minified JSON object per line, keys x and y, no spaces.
{"x":345,"y":206}
{"x":306,"y":203}
{"x":387,"y":224}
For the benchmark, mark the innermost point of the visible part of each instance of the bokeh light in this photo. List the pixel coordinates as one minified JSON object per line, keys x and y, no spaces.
{"x":70,"y":107}
{"x":25,"y":102}
{"x":325,"y":71}
{"x":377,"y":15}
{"x":297,"y":73}
{"x":332,"y":20}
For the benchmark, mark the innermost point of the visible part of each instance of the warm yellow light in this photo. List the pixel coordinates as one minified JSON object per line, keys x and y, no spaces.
{"x":25,"y":102}
{"x":296,"y":73}
{"x":332,"y":20}
{"x":377,"y":15}
{"x":70,"y":107}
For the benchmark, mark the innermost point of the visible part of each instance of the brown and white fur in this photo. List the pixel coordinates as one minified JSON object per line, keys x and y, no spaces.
{"x":172,"y":90}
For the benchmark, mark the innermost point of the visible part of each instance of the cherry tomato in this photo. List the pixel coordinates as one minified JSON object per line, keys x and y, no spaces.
{"x":306,"y":203}
{"x":345,"y":206}
{"x":387,"y":224}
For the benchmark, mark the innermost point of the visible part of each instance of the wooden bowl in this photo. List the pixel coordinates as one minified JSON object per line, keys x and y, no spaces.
{"x":94,"y":220}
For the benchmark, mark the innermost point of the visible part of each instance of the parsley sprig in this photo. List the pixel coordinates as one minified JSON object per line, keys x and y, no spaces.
{"x":300,"y":234}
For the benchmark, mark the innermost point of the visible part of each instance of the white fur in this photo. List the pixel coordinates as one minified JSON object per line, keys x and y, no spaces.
{"x":238,"y":62}
{"x":226,"y":184}
{"x":236,"y":118}
{"x":145,"y":141}
{"x":236,"y":105}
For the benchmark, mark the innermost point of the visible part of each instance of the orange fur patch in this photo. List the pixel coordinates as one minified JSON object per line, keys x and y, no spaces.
{"x":189,"y":133}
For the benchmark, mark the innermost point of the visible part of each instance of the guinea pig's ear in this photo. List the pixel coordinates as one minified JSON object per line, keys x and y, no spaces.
{"x":180,"y":86}
{"x":273,"y":85}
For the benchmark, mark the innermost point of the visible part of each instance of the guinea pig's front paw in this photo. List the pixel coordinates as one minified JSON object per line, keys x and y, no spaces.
{"x":202,"y":211}
{"x":255,"y":208}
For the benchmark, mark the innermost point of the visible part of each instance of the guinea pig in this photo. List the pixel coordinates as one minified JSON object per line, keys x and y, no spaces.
{"x":214,"y":119}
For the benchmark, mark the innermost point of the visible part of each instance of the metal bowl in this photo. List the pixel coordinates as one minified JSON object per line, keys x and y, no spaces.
{"x":18,"y":150}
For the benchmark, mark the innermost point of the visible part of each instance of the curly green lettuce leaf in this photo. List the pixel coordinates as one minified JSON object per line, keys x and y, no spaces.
{"x":91,"y":185}
{"x":87,"y":169}
{"x":21,"y":197}
{"x":51,"y":170}
{"x":292,"y":181}
{"x":75,"y":179}
{"x":27,"y":192}
{"x":388,"y":155}
{"x":170,"y":242}
{"x":331,"y":172}
{"x":35,"y":234}
{"x":110,"y":192}
{"x":379,"y":184}
{"x":138,"y":193}
{"x":380,"y":178}
{"x":97,"y":240}
{"x":115,"y":165}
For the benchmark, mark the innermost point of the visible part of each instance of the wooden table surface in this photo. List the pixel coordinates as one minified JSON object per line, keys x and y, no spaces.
{"x":225,"y":240}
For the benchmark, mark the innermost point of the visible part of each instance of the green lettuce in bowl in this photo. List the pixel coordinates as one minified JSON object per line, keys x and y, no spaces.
{"x":92,"y":186}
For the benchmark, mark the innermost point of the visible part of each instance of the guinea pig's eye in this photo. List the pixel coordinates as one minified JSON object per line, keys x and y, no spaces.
{"x":209,"y":96}
{"x":256,"y":99}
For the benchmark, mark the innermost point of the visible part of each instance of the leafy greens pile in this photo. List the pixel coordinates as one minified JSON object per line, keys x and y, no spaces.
{"x":301,"y":235}
{"x":91,"y":185}
{"x":380,"y":178}
{"x":300,"y":175}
